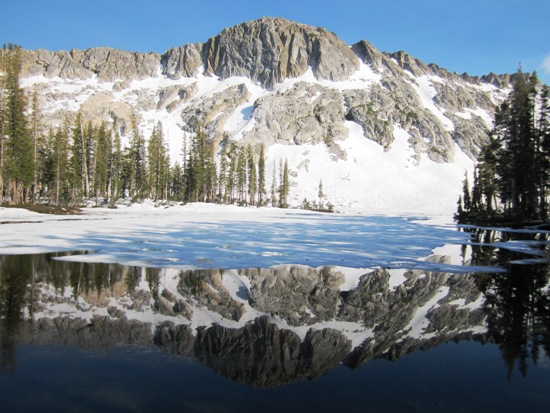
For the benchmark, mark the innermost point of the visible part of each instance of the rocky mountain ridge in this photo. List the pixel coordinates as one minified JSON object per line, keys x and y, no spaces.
{"x":267,"y":50}
{"x":290,"y":87}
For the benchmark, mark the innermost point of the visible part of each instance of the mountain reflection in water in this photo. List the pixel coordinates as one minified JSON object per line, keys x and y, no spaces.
{"x":272,"y":326}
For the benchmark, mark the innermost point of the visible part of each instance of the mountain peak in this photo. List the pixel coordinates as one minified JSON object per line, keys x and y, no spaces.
{"x":278,"y":24}
{"x":270,"y":49}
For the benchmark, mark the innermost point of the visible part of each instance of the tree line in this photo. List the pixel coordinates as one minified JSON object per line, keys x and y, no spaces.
{"x":511,"y":180}
{"x":79,"y":160}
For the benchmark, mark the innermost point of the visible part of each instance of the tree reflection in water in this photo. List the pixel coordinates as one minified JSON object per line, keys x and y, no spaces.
{"x":517,"y":302}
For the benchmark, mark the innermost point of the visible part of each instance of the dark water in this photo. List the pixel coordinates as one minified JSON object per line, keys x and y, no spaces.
{"x":449,"y":378}
{"x":84,"y":337}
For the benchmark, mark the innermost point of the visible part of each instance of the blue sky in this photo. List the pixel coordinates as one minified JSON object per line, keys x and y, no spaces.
{"x":473,"y":36}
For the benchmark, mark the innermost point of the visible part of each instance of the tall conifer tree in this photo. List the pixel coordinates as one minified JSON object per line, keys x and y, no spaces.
{"x":261,"y":177}
{"x":17,"y":146}
{"x":252,"y":176}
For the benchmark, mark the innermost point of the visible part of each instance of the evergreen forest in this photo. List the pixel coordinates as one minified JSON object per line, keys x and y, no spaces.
{"x":79,"y":161}
{"x":511,"y":181}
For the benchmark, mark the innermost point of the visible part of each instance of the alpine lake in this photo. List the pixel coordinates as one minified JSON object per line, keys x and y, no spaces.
{"x":462,"y":333}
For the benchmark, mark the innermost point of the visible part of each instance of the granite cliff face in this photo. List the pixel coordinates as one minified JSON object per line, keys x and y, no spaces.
{"x":276,"y":82}
{"x":271,"y":50}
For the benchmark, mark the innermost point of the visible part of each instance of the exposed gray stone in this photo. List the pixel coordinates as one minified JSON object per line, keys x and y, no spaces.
{"x":184,"y":61}
{"x":108,"y":64}
{"x":212,"y":112}
{"x":305,"y":114}
{"x":301,"y":295}
{"x":172,"y":97}
{"x":269,"y":50}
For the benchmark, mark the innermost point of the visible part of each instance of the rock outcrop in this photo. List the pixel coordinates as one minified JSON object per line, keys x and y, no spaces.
{"x":304,"y":114}
{"x":212,"y":112}
{"x":105,"y":63}
{"x":301,"y":295}
{"x":183,"y":61}
{"x":270,"y":50}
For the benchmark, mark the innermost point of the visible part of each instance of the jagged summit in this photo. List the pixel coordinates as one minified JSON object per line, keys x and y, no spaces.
{"x":269,"y":50}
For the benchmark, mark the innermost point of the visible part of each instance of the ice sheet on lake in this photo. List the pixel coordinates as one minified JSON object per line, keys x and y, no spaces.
{"x":210,"y":236}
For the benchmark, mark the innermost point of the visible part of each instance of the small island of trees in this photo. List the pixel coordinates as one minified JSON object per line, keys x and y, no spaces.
{"x":511,"y":182}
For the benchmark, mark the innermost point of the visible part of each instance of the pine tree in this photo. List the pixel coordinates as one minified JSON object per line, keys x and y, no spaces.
{"x":115,"y":168}
{"x":103,"y":156}
{"x":211,"y":175}
{"x":477,"y":205}
{"x":518,"y":147}
{"x":60,"y":164}
{"x":47,"y":171}
{"x":177,"y":183}
{"x":466,"y":199}
{"x":274,"y":200}
{"x":90,"y":143}
{"x":321,"y":195}
{"x":157,"y":153}
{"x":166,"y":173}
{"x":241,"y":176}
{"x":459,"y":208}
{"x":201,"y":174}
{"x":190,"y":175}
{"x":231,"y":180}
{"x":17,"y":146}
{"x":3,"y":117}
{"x":252,"y":176}
{"x":199,"y":156}
{"x":79,"y":158}
{"x":543,"y":152}
{"x":222,"y":176}
{"x":261,"y":177}
{"x":284,"y":187}
{"x":137,"y":167}
{"x":38,"y":143}
{"x":512,"y":172}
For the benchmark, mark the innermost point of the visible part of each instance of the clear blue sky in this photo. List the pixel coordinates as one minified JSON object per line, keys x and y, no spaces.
{"x":473,"y":36}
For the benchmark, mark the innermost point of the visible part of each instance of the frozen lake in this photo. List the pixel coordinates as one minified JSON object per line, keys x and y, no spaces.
{"x":205,"y":308}
{"x":210,"y":236}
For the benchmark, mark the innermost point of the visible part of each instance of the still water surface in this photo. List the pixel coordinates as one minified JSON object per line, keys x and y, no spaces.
{"x":89,"y":337}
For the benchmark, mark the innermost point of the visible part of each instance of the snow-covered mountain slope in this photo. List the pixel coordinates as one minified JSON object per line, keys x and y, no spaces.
{"x":381,"y":131}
